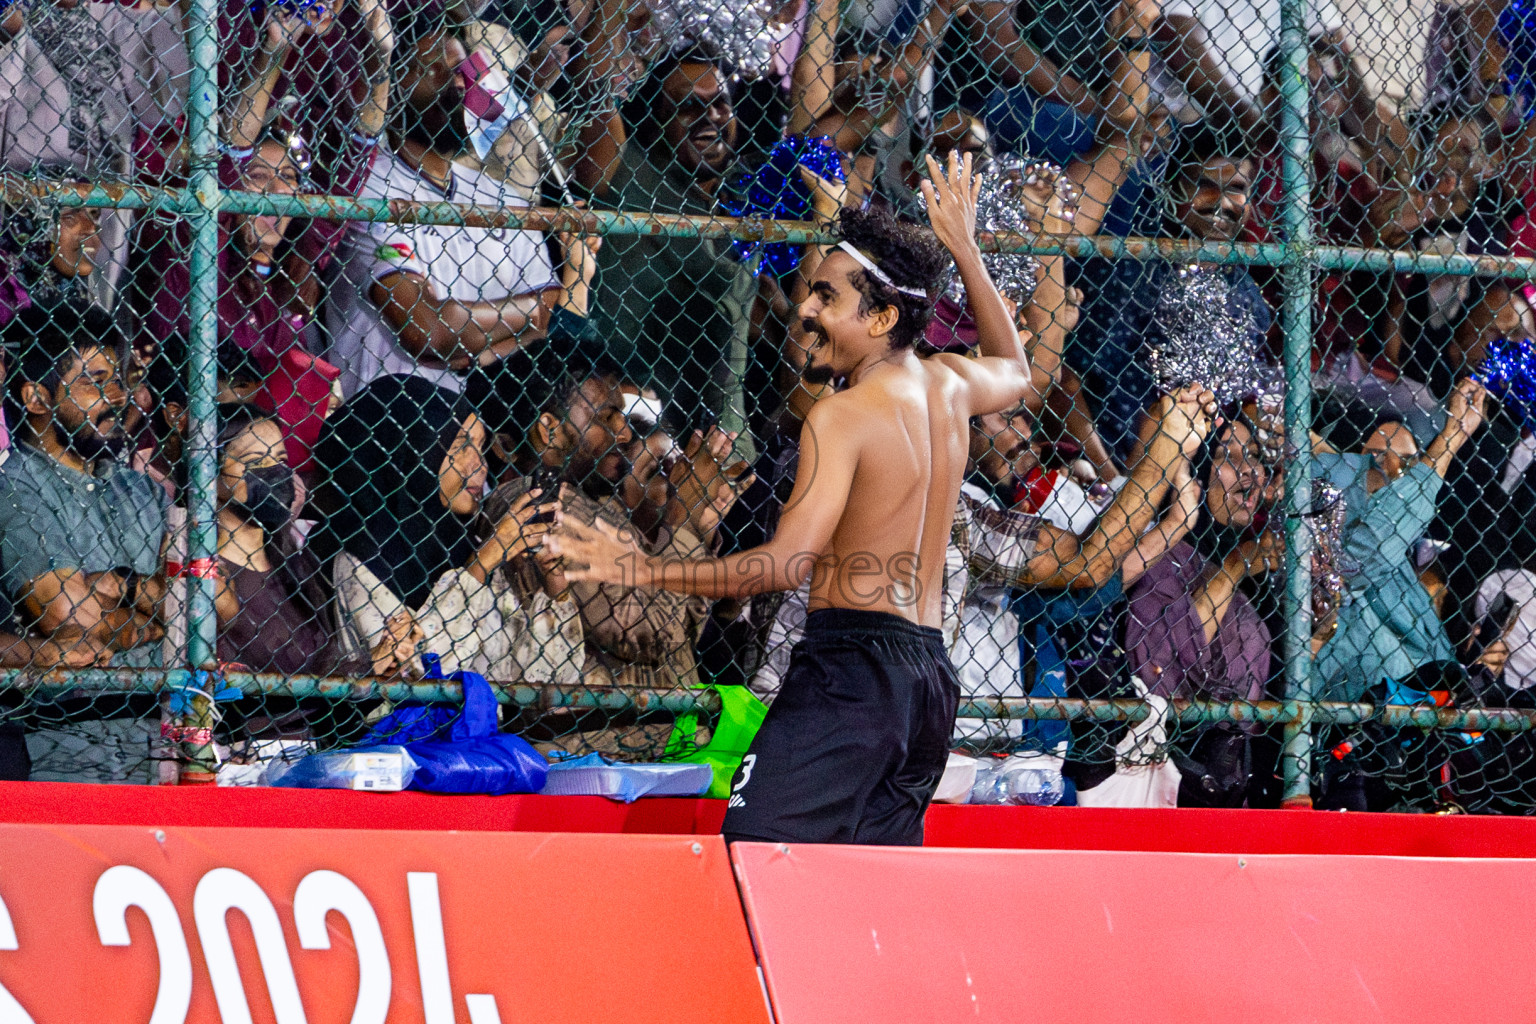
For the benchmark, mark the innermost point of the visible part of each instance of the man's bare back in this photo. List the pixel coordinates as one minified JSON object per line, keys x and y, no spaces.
{"x":909,"y":439}
{"x":881,"y":460}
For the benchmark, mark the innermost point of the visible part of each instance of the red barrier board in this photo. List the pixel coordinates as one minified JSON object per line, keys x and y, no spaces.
{"x":291,"y":926}
{"x":1200,"y":830}
{"x":879,"y":934}
{"x":1188,"y":830}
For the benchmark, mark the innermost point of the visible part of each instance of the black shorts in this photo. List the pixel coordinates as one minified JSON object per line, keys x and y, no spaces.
{"x":855,"y":742}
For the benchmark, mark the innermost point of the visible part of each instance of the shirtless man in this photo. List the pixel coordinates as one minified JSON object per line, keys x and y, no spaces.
{"x":856,"y":741}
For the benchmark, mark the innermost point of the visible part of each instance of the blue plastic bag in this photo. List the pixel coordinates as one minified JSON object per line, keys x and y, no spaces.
{"x":463,"y":753}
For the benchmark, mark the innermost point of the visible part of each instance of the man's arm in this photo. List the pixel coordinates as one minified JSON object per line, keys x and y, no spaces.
{"x":995,"y":34}
{"x":1061,"y":560}
{"x":600,"y":141}
{"x":814,"y":76}
{"x":829,"y":453}
{"x":68,"y":602}
{"x":1001,"y":378}
{"x":456,"y":332}
{"x":248,"y":114}
{"x":1463,"y":415}
{"x":1189,"y":57}
{"x":1174,"y":527}
{"x":373,"y":112}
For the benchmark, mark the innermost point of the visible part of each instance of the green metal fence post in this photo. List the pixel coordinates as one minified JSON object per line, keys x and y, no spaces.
{"x":202,"y":540}
{"x":1296,"y":324}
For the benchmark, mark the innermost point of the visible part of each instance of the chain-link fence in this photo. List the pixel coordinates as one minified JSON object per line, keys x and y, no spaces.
{"x":313,"y":314}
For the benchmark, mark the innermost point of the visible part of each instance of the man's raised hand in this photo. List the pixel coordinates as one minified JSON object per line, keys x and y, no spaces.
{"x":1186,"y":416}
{"x":600,"y":553}
{"x":951,"y":202}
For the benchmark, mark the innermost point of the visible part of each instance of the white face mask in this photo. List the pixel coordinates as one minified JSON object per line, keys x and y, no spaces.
{"x":491,"y":104}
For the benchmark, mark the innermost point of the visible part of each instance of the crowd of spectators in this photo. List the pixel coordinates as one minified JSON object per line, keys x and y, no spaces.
{"x":401,"y":405}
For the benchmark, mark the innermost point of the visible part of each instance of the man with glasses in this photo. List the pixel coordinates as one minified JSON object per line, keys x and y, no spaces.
{"x":80,"y":533}
{"x":674,"y":310}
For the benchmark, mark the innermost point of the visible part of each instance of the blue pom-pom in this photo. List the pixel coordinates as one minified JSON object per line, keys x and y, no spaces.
{"x":776,"y":191}
{"x":1517,"y":24}
{"x":1509,"y":374}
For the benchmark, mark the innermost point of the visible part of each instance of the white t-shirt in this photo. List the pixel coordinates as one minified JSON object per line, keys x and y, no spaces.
{"x":1242,"y":32}
{"x":463,"y":263}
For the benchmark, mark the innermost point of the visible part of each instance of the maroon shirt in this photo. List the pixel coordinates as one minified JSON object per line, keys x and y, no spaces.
{"x":274,"y":632}
{"x":1166,"y":642}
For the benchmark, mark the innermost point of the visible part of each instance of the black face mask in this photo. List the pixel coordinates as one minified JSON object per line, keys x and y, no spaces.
{"x":268,"y":497}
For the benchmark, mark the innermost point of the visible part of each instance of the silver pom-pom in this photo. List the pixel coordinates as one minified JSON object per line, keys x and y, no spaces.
{"x":739,"y":29}
{"x":1001,"y":207}
{"x":1269,"y":396}
{"x":1331,"y":567}
{"x":1203,"y":341}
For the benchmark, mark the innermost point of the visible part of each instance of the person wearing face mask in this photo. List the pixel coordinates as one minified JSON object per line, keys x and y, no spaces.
{"x":434,"y":300}
{"x":271,"y":611}
{"x":410,"y":552}
{"x":80,"y":533}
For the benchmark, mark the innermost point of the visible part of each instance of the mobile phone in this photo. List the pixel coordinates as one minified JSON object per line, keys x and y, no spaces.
{"x":546,"y":480}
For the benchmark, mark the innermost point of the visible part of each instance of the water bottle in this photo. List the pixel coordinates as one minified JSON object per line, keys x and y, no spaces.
{"x":1014,"y":784}
{"x":1036,"y":787}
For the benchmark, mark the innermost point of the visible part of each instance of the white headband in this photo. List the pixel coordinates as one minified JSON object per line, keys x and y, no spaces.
{"x":880,"y":275}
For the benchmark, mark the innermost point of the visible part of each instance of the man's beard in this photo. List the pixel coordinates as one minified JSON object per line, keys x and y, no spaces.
{"x":582,"y":470}
{"x":440,"y":125}
{"x":90,"y":443}
{"x":816,"y":375}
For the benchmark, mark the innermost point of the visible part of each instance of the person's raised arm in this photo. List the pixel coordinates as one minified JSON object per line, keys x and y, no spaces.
{"x":372,"y":114}
{"x":1187,"y":50}
{"x":1001,"y":378}
{"x":814,"y":74}
{"x":1463,"y":415}
{"x":994,"y":32}
{"x":1172,"y":528}
{"x":456,"y":332}
{"x":601,"y":139}
{"x":1212,"y":596}
{"x":1061,"y":560}
{"x":248,"y":111}
{"x":829,"y":453}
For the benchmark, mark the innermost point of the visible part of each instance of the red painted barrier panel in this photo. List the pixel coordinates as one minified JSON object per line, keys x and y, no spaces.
{"x":879,"y":934}
{"x":126,"y":923}
{"x":1196,"y":830}
{"x":1041,"y":828}
{"x":262,"y":807}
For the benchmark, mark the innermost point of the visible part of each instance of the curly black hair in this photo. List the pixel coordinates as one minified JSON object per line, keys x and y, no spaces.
{"x":911,"y":255}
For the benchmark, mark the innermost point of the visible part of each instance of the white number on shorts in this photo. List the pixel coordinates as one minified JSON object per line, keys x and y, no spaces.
{"x":747,"y":763}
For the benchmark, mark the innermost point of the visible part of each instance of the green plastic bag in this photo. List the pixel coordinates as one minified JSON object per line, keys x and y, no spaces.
{"x":741,"y":714}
